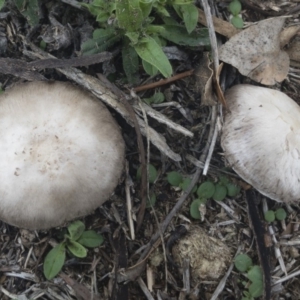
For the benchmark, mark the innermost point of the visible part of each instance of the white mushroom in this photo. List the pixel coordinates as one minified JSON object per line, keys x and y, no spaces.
{"x":61,"y":154}
{"x":261,"y":140}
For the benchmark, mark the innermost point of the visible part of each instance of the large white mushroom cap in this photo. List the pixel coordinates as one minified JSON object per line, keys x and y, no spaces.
{"x":261,"y":140}
{"x":61,"y":154}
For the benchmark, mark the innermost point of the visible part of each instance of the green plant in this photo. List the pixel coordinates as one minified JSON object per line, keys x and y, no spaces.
{"x":155,"y":99}
{"x":195,"y":208}
{"x":220,"y":192}
{"x":235,"y":8}
{"x":2,"y":2}
{"x":270,"y":216}
{"x":29,"y":9}
{"x":174,"y":178}
{"x":151,"y":200}
{"x":152,"y":174}
{"x":75,"y":242}
{"x":254,"y":273}
{"x":145,"y":32}
{"x":280,"y":214}
{"x":206,"y":189}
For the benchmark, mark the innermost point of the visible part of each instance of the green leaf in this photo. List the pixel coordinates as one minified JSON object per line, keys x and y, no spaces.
{"x":256,"y":289}
{"x":152,"y":173}
{"x":154,"y":29}
{"x":255,"y":274}
{"x":54,"y":261}
{"x":160,"y":9}
{"x":151,"y":201}
{"x":155,"y":99}
{"x":76,"y":249}
{"x":224,"y":179}
{"x":146,"y":7}
{"x":178,"y":35}
{"x":270,"y":216}
{"x":243,"y":262}
{"x":91,"y":239}
{"x":30,"y":10}
{"x":75,"y":230}
{"x":130,"y":62}
{"x":133,"y":36}
{"x":151,"y":52}
{"x":129,"y":15}
{"x":2,"y":2}
{"x":174,"y":178}
{"x":149,"y":69}
{"x":194,"y":208}
{"x":182,"y":2}
{"x":158,"y":97}
{"x":102,"y":9}
{"x":102,"y":40}
{"x":232,"y":189}
{"x":206,"y":190}
{"x":220,"y":192}
{"x":280,"y":214}
{"x":186,"y":183}
{"x":235,"y":7}
{"x":190,"y":16}
{"x":237,"y":22}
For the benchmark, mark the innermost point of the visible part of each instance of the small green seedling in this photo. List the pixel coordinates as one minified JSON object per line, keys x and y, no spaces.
{"x":235,"y":8}
{"x":237,"y":22}
{"x":186,"y":183}
{"x":232,"y":189}
{"x":270,"y":216}
{"x":75,"y":242}
{"x":254,"y":273}
{"x":217,"y":191}
{"x":195,"y":208}
{"x":206,"y":190}
{"x":174,"y":178}
{"x":220,"y":192}
{"x":152,"y":173}
{"x":151,"y":200}
{"x":155,"y":99}
{"x":279,"y":214}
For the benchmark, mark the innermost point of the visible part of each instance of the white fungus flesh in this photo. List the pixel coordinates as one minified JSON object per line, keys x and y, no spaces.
{"x":261,"y":140}
{"x":61,"y":154}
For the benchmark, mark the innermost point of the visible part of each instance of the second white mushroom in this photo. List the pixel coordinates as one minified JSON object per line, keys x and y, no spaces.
{"x":261,"y":140}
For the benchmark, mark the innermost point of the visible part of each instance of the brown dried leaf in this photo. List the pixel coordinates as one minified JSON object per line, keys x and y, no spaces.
{"x":287,"y":34}
{"x":256,"y":52}
{"x":294,"y":50}
{"x":204,"y":79}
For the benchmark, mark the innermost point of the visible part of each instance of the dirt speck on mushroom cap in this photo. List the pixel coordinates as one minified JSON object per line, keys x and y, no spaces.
{"x":61,"y":154}
{"x":261,"y":140}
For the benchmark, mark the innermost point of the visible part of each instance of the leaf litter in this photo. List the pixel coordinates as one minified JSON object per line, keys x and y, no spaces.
{"x":256,"y":52}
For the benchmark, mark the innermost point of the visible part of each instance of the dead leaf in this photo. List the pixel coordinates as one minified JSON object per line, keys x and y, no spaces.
{"x":287,"y":34}
{"x":204,"y":78}
{"x":256,"y":52}
{"x":222,"y":27}
{"x":294,"y":50}
{"x":82,"y":292}
{"x":218,"y":88}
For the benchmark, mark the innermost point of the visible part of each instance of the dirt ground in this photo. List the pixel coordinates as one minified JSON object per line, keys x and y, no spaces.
{"x":147,"y":266}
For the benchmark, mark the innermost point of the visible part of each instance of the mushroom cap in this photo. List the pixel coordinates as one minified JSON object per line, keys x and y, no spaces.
{"x":261,"y":140}
{"x":61,"y":154}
